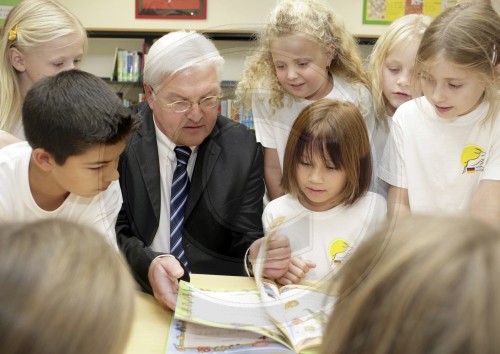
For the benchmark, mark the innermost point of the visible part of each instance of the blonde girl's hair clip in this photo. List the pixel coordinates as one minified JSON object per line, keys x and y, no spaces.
{"x":13,"y":34}
{"x":494,"y":56}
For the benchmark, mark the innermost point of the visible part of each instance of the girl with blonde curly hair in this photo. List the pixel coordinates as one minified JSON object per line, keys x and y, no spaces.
{"x":305,"y":53}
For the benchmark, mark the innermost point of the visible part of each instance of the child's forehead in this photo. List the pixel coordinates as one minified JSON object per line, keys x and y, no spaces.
{"x":442,"y":65}
{"x":294,"y":39}
{"x":100,"y":153}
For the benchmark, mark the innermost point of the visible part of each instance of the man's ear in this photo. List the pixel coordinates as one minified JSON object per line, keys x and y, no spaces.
{"x":44,"y":160}
{"x":16,"y":59}
{"x":150,"y":95}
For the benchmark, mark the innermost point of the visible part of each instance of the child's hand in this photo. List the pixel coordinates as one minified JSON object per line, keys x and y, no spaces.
{"x":297,"y":269}
{"x":277,"y":257}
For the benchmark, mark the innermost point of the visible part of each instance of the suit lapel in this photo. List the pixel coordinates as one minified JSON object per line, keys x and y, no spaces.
{"x":146,"y":154}
{"x":208,"y":153}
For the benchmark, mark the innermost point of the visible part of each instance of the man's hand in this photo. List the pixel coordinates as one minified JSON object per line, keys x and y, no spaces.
{"x":297,"y":269}
{"x":163,"y":274}
{"x":277,"y":256}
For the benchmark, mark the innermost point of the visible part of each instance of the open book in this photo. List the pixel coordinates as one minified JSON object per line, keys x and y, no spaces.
{"x":260,"y":316}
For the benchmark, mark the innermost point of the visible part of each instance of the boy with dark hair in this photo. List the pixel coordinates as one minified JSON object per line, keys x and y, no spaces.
{"x":76,"y":130}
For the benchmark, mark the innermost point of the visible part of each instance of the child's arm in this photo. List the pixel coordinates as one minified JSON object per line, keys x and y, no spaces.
{"x":485,"y":204}
{"x":398,"y":203}
{"x":272,"y":173}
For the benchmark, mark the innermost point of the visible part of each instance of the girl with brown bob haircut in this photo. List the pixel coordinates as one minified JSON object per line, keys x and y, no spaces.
{"x":327,"y":173}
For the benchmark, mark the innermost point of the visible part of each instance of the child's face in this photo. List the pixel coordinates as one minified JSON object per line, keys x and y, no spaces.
{"x":90,"y":173}
{"x":320,"y":184}
{"x":50,"y":58}
{"x":301,"y":66}
{"x":397,"y":73}
{"x":452,"y":91}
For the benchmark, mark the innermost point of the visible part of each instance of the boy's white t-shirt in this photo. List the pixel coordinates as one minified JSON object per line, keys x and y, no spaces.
{"x":440,"y":161}
{"x":272,"y":130}
{"x":17,"y":203}
{"x":327,"y":238}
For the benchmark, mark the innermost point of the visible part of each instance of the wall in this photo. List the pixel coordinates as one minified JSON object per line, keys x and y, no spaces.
{"x":222,"y":15}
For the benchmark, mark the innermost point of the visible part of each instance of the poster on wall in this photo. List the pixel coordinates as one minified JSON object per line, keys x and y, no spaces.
{"x":385,"y":11}
{"x":5,"y":7}
{"x":171,"y":9}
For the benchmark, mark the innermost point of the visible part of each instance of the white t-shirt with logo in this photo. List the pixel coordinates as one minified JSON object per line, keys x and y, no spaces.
{"x":326,"y":238}
{"x":440,"y":161}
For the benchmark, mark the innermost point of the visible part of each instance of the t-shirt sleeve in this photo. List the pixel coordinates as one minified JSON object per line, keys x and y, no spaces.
{"x":392,"y":165}
{"x":492,"y":166}
{"x":366,"y":108}
{"x":110,"y":203}
{"x":263,"y":122}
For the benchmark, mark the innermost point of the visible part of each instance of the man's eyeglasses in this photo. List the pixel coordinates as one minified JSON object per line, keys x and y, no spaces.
{"x":185,"y":105}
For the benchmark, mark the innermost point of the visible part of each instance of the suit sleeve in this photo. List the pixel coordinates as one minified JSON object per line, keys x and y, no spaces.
{"x":138,"y":255}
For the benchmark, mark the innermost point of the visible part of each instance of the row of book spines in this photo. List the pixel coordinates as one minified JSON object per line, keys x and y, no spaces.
{"x":128,"y":66}
{"x":228,"y":109}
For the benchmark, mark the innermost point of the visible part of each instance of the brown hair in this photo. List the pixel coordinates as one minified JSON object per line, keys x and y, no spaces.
{"x":336,"y":128}
{"x":425,"y":284}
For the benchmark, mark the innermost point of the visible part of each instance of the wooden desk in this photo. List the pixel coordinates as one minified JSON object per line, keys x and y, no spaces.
{"x":150,"y":328}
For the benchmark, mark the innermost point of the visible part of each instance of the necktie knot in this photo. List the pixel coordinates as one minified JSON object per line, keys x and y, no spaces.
{"x":182,"y":153}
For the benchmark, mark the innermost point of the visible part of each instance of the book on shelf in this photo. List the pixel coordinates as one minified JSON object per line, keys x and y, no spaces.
{"x":127,"y":66}
{"x":260,"y":317}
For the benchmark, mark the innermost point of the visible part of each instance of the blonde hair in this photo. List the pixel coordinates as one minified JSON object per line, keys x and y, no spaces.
{"x":29,"y":24}
{"x":406,"y":29}
{"x":329,"y":127}
{"x":424,"y":285}
{"x":317,"y":22}
{"x":64,"y":289}
{"x":468,"y":36}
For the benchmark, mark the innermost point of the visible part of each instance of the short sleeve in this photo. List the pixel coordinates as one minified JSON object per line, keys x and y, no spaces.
{"x":392,"y":165}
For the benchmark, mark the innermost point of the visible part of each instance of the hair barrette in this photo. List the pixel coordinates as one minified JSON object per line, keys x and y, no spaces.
{"x":13,"y":34}
{"x":494,"y":56}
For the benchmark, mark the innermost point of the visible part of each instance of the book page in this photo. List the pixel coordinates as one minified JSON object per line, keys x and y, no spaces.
{"x":226,"y":309}
{"x":300,"y":312}
{"x":186,"y":337}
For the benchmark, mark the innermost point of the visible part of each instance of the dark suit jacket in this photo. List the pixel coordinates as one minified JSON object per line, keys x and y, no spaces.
{"x":224,"y":209}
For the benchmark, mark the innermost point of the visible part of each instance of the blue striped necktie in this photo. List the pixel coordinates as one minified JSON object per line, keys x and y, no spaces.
{"x":179,"y":195}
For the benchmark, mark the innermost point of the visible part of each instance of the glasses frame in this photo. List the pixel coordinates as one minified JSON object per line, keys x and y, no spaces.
{"x":170,"y":105}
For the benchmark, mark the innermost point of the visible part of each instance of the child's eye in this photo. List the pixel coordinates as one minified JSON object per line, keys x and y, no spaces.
{"x":77,"y":61}
{"x":97,"y":168}
{"x":305,"y":163}
{"x":393,"y":70}
{"x":331,"y":167}
{"x":58,"y":64}
{"x":303,"y":64}
{"x":454,"y":86}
